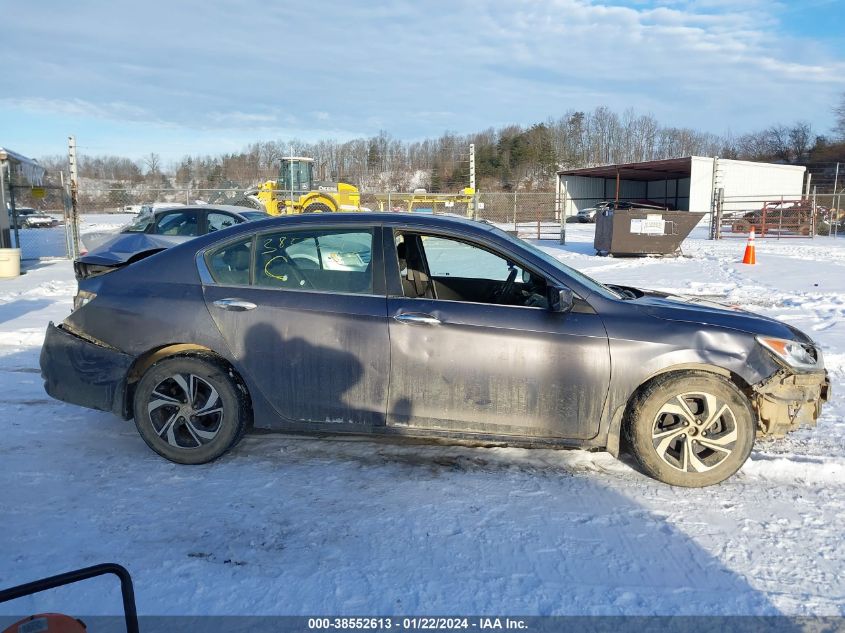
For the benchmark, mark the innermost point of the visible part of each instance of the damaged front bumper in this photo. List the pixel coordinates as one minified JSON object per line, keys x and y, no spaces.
{"x":83,"y":371}
{"x":787,"y":401}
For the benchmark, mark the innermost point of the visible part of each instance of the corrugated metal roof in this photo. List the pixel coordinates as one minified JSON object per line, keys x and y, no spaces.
{"x":669,"y":169}
{"x":29,"y":167}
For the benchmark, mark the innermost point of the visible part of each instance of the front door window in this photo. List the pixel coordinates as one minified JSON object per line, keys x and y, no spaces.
{"x":435,"y":267}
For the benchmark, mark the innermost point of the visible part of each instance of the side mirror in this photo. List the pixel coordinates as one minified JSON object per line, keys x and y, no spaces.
{"x":560,"y":299}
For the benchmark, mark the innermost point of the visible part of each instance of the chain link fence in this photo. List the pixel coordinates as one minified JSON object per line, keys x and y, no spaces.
{"x":38,"y":218}
{"x":528,"y":214}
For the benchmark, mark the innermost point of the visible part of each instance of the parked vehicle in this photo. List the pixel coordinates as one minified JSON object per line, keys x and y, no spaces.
{"x":157,"y":230}
{"x":786,"y":216}
{"x":29,"y":218}
{"x":589,"y":214}
{"x":425,"y":326}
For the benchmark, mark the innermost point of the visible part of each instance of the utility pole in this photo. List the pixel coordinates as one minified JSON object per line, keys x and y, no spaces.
{"x":472,"y":166}
{"x":74,"y":196}
{"x":472,"y":181}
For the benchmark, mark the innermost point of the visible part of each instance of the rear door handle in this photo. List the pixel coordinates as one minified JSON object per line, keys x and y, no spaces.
{"x":417,"y":319}
{"x":235,"y":305}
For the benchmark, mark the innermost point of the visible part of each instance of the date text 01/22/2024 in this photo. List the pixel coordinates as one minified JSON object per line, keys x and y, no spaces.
{"x":416,"y":623}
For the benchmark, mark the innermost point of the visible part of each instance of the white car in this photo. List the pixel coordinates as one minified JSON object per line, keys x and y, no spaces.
{"x":32,"y":219}
{"x":589,"y":215}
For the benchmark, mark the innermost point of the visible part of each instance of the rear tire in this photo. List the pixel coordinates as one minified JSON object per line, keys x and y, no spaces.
{"x":690,"y":429}
{"x":190,"y":410}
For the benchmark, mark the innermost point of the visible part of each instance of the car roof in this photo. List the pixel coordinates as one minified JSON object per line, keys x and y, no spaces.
{"x":375,"y":217}
{"x":229,"y":208}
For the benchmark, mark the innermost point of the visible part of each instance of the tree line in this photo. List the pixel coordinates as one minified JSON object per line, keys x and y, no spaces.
{"x":510,"y":158}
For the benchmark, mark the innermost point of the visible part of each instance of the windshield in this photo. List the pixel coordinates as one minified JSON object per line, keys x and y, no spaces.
{"x":589,"y":282}
{"x":140,"y":224}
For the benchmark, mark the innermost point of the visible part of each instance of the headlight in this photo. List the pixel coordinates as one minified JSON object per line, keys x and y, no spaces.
{"x":793,"y":353}
{"x":82,"y":297}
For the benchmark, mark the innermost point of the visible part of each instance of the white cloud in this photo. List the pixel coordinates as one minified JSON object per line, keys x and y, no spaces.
{"x":416,"y":68}
{"x":241,"y":118}
{"x":79,"y":108}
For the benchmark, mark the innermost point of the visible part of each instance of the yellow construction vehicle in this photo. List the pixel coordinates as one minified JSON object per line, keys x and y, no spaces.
{"x":296,"y":191}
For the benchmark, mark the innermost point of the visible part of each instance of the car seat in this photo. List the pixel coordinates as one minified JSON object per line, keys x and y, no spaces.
{"x":415,"y":282}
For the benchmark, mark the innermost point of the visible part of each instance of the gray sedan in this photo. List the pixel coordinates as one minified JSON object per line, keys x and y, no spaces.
{"x":425,"y":326}
{"x":158,"y":230}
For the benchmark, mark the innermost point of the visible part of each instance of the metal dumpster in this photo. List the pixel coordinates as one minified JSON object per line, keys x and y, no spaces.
{"x":642,"y":231}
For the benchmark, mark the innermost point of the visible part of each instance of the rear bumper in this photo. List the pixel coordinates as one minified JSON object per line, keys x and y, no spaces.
{"x":81,"y":372}
{"x":787,"y":401}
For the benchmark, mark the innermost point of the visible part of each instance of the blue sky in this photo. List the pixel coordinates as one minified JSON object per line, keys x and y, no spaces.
{"x":191,"y":77}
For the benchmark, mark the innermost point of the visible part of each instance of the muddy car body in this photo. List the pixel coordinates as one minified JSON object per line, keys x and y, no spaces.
{"x":423,"y":326}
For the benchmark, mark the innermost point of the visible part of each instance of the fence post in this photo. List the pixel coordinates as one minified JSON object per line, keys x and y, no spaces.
{"x":74,"y":196}
{"x":13,"y":208}
{"x":66,"y":209}
{"x":813,"y":221}
{"x":560,"y":205}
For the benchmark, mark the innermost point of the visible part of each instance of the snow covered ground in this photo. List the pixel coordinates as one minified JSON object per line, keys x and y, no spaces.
{"x":292,"y":525}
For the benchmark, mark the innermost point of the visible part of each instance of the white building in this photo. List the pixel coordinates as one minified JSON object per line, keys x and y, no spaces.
{"x":686,"y":184}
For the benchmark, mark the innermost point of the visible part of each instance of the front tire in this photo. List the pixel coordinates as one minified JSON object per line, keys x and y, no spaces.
{"x":317,"y":207}
{"x":691,"y":429}
{"x":190,"y":410}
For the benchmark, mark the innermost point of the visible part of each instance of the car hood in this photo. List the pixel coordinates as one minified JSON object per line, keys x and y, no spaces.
{"x":697,"y":310}
{"x":123,"y":246}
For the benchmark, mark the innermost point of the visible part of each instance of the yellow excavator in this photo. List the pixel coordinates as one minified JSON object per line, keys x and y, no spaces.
{"x":296,"y":191}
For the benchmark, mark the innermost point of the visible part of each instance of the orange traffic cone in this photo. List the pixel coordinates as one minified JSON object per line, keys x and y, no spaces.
{"x":750,"y":257}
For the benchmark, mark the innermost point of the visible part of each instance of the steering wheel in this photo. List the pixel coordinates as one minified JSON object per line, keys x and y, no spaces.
{"x":293,"y":269}
{"x":507,"y":288}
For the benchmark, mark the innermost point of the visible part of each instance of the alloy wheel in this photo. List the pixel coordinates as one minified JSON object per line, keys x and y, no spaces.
{"x":694,"y":432}
{"x":186,"y":411}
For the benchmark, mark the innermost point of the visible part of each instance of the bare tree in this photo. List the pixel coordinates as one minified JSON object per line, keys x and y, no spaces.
{"x":153,"y":163}
{"x":800,"y":140}
{"x":839,"y":111}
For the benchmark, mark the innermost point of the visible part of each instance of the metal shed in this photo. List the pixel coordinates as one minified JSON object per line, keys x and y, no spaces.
{"x":14,"y":167}
{"x":685,"y":184}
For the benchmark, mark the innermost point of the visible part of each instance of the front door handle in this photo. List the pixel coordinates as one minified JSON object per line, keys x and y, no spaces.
{"x":235,"y":305}
{"x":417,"y":319}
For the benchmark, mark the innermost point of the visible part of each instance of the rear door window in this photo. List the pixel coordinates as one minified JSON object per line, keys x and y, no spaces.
{"x":219,"y":221}
{"x":181,"y":223}
{"x":333,"y":260}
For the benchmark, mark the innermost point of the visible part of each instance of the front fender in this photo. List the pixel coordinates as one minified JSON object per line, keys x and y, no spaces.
{"x":642,"y":348}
